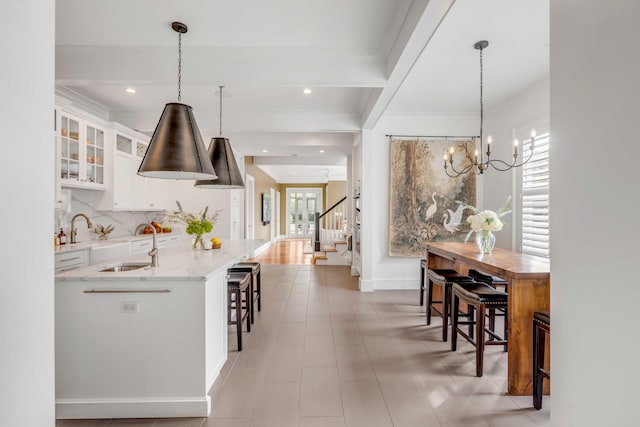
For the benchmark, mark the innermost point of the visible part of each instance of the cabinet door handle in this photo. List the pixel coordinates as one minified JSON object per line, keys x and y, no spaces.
{"x":70,"y":259}
{"x":127,"y":291}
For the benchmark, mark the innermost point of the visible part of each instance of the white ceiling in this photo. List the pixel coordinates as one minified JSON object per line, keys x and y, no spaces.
{"x":359,"y":57}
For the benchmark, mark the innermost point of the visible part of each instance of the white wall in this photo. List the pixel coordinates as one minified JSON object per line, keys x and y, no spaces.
{"x":26,"y":187}
{"x":379,"y":270}
{"x":194,"y":200}
{"x":595,"y":64}
{"x":512,"y":118}
{"x":85,"y":201}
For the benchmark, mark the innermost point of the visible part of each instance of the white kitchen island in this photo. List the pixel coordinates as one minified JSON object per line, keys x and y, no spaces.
{"x":144,"y":343}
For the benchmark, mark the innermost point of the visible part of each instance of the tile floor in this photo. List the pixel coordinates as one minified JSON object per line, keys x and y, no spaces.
{"x":322,"y":354}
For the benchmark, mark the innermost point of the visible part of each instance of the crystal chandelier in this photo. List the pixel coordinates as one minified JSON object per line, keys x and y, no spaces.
{"x":480,"y":164}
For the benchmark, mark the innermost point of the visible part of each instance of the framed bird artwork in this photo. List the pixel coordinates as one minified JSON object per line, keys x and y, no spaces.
{"x":425,"y":204}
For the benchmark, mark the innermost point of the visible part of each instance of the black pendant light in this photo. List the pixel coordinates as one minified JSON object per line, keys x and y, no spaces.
{"x":176,"y":150}
{"x":221,"y":154}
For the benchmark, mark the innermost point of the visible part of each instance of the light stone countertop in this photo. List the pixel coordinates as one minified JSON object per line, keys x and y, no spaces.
{"x":106,"y":243}
{"x":178,"y":262}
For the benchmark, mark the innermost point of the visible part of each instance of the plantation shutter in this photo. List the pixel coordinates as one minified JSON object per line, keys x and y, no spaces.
{"x":535,"y":197}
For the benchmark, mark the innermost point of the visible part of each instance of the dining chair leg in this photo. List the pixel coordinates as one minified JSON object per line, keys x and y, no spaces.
{"x":445,"y":311}
{"x":238,"y":297}
{"x":429,"y":301}
{"x":480,"y":325}
{"x":455,"y":305}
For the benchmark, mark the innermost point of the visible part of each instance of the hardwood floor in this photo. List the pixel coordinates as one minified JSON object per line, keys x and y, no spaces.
{"x":285,"y":251}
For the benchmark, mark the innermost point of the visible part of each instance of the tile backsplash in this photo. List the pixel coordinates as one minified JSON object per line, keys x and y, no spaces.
{"x":84,"y":201}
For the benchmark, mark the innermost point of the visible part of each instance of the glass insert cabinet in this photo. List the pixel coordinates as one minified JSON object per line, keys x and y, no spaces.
{"x":127,"y":190}
{"x":81,"y":152}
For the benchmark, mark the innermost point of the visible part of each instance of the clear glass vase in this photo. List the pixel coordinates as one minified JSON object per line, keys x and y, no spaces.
{"x":197,"y":242}
{"x":485,"y":241}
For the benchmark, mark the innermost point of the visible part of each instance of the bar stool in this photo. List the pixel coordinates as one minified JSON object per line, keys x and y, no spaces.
{"x":541,"y":328}
{"x":423,"y":279}
{"x":443,"y":278}
{"x":478,"y":296}
{"x":496,"y":282}
{"x":490,"y":280}
{"x":252,"y":268}
{"x":237,"y":285}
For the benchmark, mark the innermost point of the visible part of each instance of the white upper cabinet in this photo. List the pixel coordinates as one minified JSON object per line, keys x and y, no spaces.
{"x":129,"y":191}
{"x":80,"y":151}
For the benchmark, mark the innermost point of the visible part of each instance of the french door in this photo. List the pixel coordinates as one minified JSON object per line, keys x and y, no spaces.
{"x":302,"y":204}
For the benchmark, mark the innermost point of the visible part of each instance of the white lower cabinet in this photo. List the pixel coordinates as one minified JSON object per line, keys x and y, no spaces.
{"x":163,"y":241}
{"x":105,"y":253}
{"x":69,"y":260}
{"x":136,"y":354}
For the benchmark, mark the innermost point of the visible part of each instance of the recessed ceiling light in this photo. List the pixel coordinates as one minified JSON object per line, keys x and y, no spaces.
{"x":322,"y":151}
{"x":130,"y":90}
{"x":307,"y":91}
{"x":265,"y":151}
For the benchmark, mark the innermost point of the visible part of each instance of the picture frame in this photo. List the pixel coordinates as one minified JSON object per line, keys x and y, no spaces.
{"x":425,"y":204}
{"x":266,"y":208}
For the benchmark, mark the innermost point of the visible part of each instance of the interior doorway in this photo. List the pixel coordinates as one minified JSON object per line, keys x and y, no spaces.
{"x":250,"y":203}
{"x":302,"y":204}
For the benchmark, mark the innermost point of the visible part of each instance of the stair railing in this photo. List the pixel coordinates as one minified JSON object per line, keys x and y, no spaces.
{"x":333,"y":220}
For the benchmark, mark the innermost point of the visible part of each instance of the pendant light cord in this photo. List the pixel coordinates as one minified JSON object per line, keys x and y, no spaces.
{"x":220,"y":109}
{"x":179,"y":66}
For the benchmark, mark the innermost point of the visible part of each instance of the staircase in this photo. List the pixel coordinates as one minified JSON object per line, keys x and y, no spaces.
{"x":329,"y":243}
{"x":333,"y":254}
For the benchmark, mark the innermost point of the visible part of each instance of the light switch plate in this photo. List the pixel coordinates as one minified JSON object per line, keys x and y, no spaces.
{"x":130,"y":307}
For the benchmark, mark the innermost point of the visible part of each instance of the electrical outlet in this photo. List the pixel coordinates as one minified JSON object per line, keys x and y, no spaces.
{"x":130,"y":307}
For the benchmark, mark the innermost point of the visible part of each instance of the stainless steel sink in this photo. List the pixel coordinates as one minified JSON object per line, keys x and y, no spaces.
{"x":125,"y":267}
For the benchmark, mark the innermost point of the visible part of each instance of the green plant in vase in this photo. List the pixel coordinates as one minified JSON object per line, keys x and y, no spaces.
{"x":197,"y":225}
{"x":102,"y":231}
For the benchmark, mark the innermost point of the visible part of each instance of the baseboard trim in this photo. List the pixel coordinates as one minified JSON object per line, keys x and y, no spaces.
{"x":133,"y":408}
{"x":257,"y":251}
{"x":216,"y":371}
{"x":397,"y":284}
{"x":366,"y":285}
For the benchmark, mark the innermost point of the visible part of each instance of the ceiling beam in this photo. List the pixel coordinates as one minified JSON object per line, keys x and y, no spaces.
{"x":90,"y":65}
{"x":421,"y":22}
{"x":250,"y":121}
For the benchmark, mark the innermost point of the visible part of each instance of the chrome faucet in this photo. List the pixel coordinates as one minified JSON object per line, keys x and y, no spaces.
{"x":138,"y":227}
{"x":153,"y":253}
{"x":74,"y":231}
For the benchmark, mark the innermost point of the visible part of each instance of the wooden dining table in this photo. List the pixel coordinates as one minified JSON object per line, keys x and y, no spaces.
{"x":528,"y":288}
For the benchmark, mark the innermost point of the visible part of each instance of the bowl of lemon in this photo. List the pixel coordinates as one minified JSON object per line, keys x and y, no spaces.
{"x":216,"y":243}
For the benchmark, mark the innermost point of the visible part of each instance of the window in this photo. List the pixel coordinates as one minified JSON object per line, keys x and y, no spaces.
{"x":535,"y":197}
